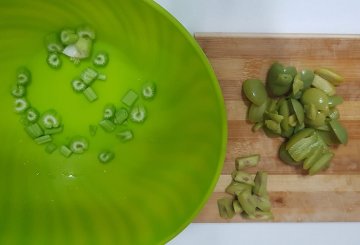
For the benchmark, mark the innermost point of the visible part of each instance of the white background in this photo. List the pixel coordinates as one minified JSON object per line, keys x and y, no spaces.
{"x":268,"y":16}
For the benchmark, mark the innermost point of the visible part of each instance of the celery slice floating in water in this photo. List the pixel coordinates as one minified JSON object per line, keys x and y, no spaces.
{"x":65,"y":151}
{"x":109,"y":111}
{"x":43,"y":139}
{"x":50,"y":148}
{"x":79,"y":145}
{"x":130,"y":98}
{"x":53,"y":130}
{"x":50,"y":119}
{"x":78,"y":85}
{"x":54,"y":60}
{"x":53,"y":43}
{"x":93,"y":130}
{"x":148,"y":90}
{"x":68,"y":36}
{"x":86,"y":32}
{"x":90,"y":94}
{"x":34,"y":130}
{"x":21,"y":105}
{"x":138,"y":114}
{"x":23,"y":76}
{"x":106,"y":156}
{"x":32,"y":115}
{"x":125,"y":135}
{"x":107,"y":125}
{"x":89,"y":75}
{"x":121,"y":116}
{"x":101,"y":59}
{"x":18,"y":91}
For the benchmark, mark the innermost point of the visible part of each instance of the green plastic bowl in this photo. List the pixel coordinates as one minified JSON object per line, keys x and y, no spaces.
{"x":160,"y":180}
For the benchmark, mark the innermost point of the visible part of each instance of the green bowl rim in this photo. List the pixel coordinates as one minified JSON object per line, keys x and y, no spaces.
{"x":220,"y":97}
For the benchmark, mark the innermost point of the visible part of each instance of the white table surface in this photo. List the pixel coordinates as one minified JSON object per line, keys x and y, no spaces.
{"x":268,"y":16}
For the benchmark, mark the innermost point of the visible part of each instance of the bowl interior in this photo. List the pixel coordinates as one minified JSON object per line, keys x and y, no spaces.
{"x":158,"y":181}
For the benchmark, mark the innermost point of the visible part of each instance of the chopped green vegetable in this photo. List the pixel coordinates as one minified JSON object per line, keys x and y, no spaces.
{"x":225,"y":207}
{"x":89,"y":75}
{"x":330,"y":76}
{"x":34,"y":130}
{"x":93,"y":130}
{"x":138,"y":114}
{"x":90,"y":94}
{"x":53,"y":43}
{"x":68,"y":36}
{"x":23,"y":76}
{"x":242,"y":177}
{"x":148,"y":90}
{"x":101,"y":77}
{"x":21,"y":105}
{"x":237,"y":207}
{"x":50,"y":119}
{"x":65,"y":151}
{"x":130,"y":98}
{"x":259,"y":215}
{"x":235,"y":188}
{"x":260,"y":187}
{"x":256,"y":113}
{"x":324,"y":85}
{"x":32,"y":115}
{"x":50,"y":148}
{"x":246,"y":202}
{"x":109,"y":111}
{"x":107,"y":125}
{"x":86,"y":32}
{"x":52,"y":131}
{"x":43,"y":139}
{"x":78,"y":85}
{"x":54,"y":61}
{"x":339,"y":131}
{"x":106,"y":156}
{"x":321,"y":164}
{"x":248,"y":161}
{"x":79,"y":145}
{"x":18,"y":91}
{"x":125,"y":135}
{"x":255,"y":91}
{"x":101,"y":59}
{"x":263,"y":203}
{"x":121,"y":115}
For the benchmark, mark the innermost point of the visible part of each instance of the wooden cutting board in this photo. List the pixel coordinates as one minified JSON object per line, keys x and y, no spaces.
{"x":333,"y":195}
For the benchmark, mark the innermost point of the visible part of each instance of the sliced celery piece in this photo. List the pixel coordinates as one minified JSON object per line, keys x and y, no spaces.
{"x":23,"y":76}
{"x":148,"y":90}
{"x":107,"y":125}
{"x":21,"y":105}
{"x":43,"y":139}
{"x":106,"y":156}
{"x":101,"y":59}
{"x":138,"y":114}
{"x":109,"y":111}
{"x":34,"y":130}
{"x":50,"y":148}
{"x":54,"y":61}
{"x":78,"y":85}
{"x":18,"y":91}
{"x":125,"y":135}
{"x":93,"y":130}
{"x":52,"y":131}
{"x":68,"y":36}
{"x":90,"y":94}
{"x":121,"y":116}
{"x":130,"y":98}
{"x":79,"y":145}
{"x":65,"y":151}
{"x":53,"y":43}
{"x":89,"y":75}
